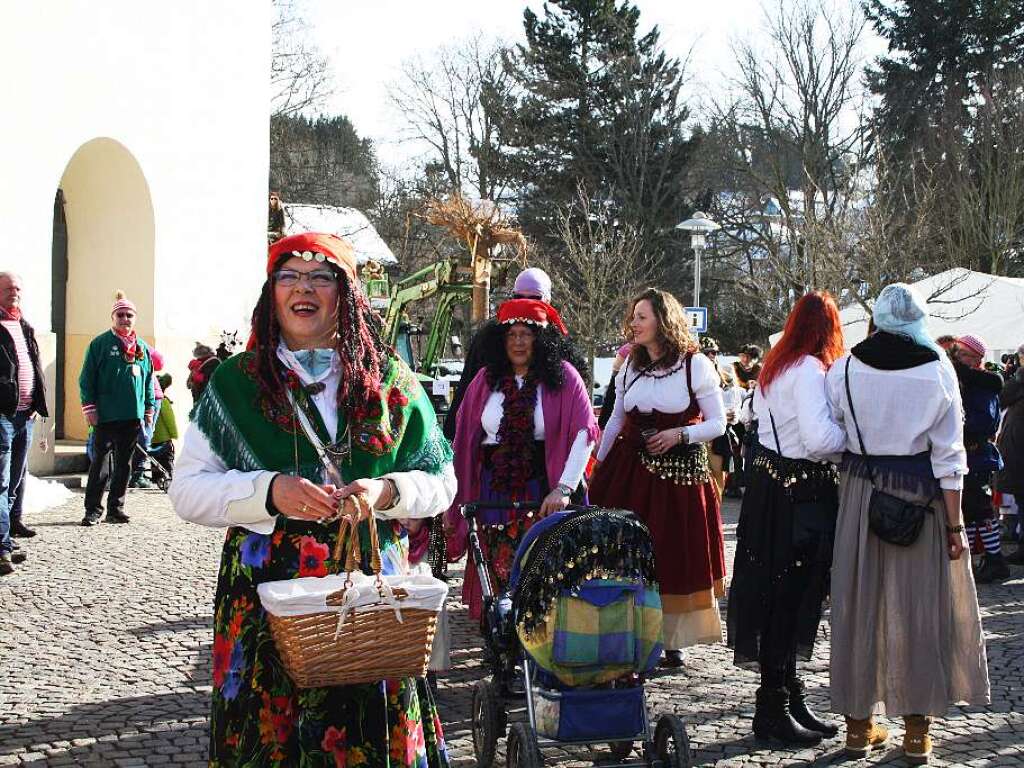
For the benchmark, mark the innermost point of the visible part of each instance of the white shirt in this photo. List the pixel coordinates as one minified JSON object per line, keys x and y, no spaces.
{"x":668,"y":394}
{"x":902,"y":413}
{"x":579,"y":454}
{"x":205,"y":491}
{"x":732,"y":399}
{"x":802,"y":415}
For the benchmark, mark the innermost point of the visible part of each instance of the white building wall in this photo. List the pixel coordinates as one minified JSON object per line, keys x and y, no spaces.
{"x":184,"y":88}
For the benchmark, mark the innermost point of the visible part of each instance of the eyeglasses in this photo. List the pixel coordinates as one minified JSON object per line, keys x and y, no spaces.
{"x":318,"y":278}
{"x":520,"y":336}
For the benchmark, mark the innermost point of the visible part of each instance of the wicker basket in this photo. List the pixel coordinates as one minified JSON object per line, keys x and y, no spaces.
{"x":371,"y":643}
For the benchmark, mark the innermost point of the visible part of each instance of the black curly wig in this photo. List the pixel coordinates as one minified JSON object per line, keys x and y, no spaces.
{"x":550,"y":348}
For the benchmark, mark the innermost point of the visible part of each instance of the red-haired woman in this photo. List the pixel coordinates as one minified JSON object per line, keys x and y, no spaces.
{"x":655,"y":462}
{"x":787,"y":522}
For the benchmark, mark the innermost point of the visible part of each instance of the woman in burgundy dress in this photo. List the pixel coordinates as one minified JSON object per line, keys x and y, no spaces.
{"x":654,"y":461}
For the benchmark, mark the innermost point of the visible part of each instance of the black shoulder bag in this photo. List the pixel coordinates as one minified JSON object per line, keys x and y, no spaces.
{"x":814,"y":520}
{"x":890,"y":518}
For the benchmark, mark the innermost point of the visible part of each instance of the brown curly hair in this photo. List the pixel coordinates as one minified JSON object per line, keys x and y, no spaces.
{"x":673,"y":330}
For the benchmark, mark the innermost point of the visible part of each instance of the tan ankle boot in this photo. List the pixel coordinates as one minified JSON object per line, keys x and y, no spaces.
{"x":862,"y":736}
{"x":917,"y":744}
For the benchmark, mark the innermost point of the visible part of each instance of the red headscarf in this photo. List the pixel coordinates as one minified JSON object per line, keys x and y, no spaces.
{"x":530,"y":312}
{"x":314,"y":247}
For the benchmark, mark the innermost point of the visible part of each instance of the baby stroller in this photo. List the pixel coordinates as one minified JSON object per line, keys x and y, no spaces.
{"x":575,"y":634}
{"x":157,"y":463}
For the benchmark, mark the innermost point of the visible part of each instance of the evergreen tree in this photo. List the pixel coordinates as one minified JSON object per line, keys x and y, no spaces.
{"x":323,"y":161}
{"x":951,"y":109}
{"x":597,"y":106}
{"x":944,"y":57}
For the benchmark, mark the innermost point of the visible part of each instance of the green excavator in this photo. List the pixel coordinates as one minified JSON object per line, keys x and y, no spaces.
{"x":485,"y":232}
{"x":451,"y":284}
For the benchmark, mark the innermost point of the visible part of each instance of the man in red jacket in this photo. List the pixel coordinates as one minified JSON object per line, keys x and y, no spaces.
{"x":22,"y":396}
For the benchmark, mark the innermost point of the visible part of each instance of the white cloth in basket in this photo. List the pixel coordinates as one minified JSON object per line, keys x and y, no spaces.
{"x":301,"y":597}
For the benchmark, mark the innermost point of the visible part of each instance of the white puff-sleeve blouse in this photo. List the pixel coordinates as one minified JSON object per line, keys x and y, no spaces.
{"x":668,"y":393}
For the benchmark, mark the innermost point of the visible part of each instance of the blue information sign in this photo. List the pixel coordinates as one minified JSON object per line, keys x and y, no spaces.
{"x":698,"y":317}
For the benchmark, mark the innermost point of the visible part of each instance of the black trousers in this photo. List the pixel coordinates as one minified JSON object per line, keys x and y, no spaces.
{"x":111,"y":436}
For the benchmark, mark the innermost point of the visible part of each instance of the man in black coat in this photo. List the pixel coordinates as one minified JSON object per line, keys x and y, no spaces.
{"x":22,"y":396}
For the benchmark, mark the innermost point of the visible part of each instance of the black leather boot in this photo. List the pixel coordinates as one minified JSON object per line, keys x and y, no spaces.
{"x":798,"y":709}
{"x":772,"y":720}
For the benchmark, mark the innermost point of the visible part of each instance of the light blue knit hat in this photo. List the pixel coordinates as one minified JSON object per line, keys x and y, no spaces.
{"x":900,"y":309}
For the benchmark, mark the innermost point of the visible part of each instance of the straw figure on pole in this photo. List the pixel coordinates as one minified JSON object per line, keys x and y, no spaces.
{"x":481,"y":227}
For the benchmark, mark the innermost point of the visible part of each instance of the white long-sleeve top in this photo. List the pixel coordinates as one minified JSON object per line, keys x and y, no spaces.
{"x":902,"y":413}
{"x":732,"y":399}
{"x":579,"y":454}
{"x":205,"y":491}
{"x":668,"y":394}
{"x":802,"y":414}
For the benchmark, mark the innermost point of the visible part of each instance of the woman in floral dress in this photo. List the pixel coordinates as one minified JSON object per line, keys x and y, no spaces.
{"x":249,"y":465}
{"x":524,"y":432}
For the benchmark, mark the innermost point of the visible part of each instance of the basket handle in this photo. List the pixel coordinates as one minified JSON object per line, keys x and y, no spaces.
{"x":355,"y":509}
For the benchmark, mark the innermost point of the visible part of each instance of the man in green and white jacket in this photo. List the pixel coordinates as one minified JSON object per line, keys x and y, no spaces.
{"x":116,"y":387}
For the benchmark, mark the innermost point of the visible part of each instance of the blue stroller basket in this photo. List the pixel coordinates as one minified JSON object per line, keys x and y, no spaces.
{"x":559,"y":711}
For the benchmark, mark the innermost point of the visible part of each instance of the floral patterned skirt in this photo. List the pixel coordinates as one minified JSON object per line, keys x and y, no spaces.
{"x":259,"y":717}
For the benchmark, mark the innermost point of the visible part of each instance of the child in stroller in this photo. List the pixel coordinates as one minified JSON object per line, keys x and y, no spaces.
{"x":575,"y":634}
{"x":155,"y":462}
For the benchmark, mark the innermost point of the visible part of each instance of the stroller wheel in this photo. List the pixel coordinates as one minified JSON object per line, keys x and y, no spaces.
{"x":522,"y":750}
{"x":620,"y":750}
{"x":671,"y":746}
{"x":488,"y":723}
{"x":163,"y":483}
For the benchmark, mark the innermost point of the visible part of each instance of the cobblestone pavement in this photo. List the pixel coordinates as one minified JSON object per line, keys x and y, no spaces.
{"x":105,"y":660}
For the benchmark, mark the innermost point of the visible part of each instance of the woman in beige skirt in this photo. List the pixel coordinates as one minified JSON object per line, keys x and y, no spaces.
{"x":906,"y":629}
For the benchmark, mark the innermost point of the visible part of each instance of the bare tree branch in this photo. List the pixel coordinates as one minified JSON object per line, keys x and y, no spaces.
{"x":440,"y":101}
{"x":600,"y":265}
{"x":300,"y":79}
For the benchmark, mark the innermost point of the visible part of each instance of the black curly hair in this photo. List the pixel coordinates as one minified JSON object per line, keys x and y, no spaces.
{"x":550,"y":348}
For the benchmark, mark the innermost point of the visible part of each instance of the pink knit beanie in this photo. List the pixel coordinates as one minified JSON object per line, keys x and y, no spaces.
{"x":974,"y":343}
{"x":121,"y":302}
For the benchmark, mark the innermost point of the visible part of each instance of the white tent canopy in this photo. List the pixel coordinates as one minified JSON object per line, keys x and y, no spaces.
{"x":347,"y":223}
{"x":960,"y":301}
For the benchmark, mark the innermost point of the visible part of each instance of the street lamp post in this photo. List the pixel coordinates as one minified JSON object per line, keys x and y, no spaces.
{"x":699,"y":225}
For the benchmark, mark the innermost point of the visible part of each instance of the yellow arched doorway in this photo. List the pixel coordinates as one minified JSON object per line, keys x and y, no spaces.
{"x":103,"y":241}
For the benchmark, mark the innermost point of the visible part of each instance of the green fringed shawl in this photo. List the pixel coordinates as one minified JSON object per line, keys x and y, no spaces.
{"x":249,"y":431}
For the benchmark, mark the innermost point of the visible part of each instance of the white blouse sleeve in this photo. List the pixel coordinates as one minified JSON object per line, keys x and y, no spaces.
{"x":707,"y":386}
{"x":819,"y":432}
{"x":949,"y":458}
{"x":205,"y":491}
{"x":422,"y":493}
{"x":614,"y":425}
{"x":576,"y":464}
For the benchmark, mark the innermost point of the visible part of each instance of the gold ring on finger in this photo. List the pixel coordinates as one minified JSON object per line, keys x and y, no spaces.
{"x":302,"y":509}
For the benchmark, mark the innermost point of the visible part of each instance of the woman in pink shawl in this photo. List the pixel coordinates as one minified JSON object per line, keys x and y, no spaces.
{"x":524,"y":432}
